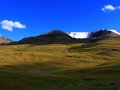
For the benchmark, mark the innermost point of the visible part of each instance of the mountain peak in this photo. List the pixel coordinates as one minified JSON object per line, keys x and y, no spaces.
{"x":55,"y":36}
{"x":56,"y":32}
{"x":104,"y":33}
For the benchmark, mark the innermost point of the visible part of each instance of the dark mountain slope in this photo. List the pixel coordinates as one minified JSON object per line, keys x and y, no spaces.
{"x":55,"y":36}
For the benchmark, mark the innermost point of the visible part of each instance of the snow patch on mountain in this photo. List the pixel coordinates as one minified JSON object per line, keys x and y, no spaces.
{"x":81,"y":35}
{"x":78,"y":34}
{"x":115,"y":31}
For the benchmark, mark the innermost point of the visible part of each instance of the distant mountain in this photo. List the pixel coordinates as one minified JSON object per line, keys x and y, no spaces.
{"x":55,"y":36}
{"x":5,"y":40}
{"x":104,"y":33}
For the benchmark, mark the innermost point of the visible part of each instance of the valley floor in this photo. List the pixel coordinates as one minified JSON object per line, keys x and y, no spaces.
{"x":76,"y":66}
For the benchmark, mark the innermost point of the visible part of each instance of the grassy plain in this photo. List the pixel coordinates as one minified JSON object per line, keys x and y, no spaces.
{"x":75,"y":66}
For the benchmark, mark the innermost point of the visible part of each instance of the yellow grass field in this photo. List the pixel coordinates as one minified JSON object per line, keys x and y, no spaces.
{"x":73,"y":66}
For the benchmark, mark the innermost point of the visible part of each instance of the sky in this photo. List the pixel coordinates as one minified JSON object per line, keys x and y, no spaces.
{"x":25,"y":18}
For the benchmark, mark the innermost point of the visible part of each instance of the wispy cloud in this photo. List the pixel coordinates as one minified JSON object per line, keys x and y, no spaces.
{"x":109,"y":8}
{"x":9,"y":25}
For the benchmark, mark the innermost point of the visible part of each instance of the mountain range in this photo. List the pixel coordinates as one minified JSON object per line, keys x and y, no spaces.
{"x":58,"y":36}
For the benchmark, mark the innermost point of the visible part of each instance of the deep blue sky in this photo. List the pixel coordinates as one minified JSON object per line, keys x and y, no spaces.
{"x":41,"y":16}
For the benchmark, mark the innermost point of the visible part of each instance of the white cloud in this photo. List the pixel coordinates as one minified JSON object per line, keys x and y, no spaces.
{"x":109,"y":8}
{"x":9,"y":25}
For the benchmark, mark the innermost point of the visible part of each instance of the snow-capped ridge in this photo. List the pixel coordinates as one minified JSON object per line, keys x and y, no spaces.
{"x":78,"y":35}
{"x":115,"y":31}
{"x":104,"y":33}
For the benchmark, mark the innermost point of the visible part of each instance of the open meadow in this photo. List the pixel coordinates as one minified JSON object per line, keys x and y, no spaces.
{"x":73,"y":66}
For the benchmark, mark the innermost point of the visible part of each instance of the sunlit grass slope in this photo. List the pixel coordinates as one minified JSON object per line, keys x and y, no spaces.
{"x":75,"y":66}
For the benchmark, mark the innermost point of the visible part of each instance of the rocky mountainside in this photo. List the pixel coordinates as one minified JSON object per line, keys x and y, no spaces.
{"x":5,"y":40}
{"x":50,"y":37}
